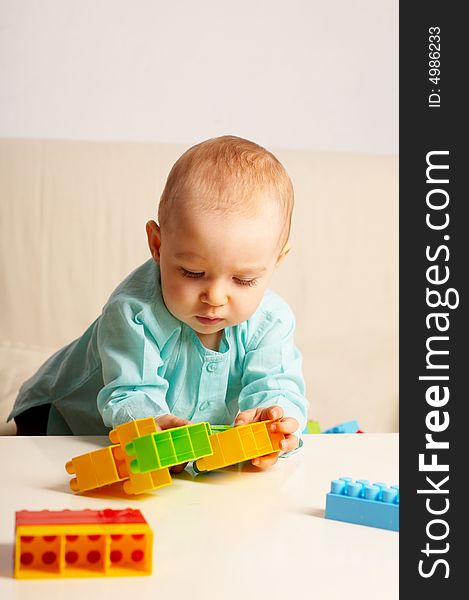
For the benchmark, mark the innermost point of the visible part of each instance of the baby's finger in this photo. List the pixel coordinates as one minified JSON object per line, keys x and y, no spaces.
{"x":247,"y":416}
{"x":286,"y":425}
{"x":169,"y":421}
{"x":289,"y":443}
{"x":264,"y":462}
{"x":273,"y":412}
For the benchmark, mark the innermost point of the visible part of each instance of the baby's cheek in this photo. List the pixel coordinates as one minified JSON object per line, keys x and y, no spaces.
{"x":175,"y":294}
{"x":247,"y":304}
{"x":186,"y":295}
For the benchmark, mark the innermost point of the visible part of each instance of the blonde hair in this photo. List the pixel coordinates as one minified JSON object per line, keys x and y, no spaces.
{"x":226,"y":174}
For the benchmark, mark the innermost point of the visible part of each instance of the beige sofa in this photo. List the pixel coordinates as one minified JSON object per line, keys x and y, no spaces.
{"x":72,"y":224}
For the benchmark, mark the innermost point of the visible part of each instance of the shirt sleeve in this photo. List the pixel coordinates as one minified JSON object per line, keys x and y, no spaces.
{"x":272,"y":373}
{"x":130,"y":360}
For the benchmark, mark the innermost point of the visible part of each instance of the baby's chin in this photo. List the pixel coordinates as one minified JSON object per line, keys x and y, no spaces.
{"x":210,"y":329}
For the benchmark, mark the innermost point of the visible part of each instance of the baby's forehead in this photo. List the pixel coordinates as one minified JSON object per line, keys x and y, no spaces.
{"x":216,"y":220}
{"x":249,"y":263}
{"x":229,"y":203}
{"x":220,"y":238}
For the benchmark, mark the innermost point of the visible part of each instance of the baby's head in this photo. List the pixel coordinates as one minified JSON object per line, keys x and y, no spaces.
{"x":224,"y":224}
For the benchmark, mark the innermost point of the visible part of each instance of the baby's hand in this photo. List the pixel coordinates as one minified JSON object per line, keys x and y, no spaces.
{"x":285,"y":425}
{"x":168,"y":422}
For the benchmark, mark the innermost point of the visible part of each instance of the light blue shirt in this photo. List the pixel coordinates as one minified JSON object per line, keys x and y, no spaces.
{"x":137,"y":360}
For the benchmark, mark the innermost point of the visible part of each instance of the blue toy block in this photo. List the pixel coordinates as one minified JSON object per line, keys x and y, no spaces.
{"x":359,"y":502}
{"x":348,"y":427}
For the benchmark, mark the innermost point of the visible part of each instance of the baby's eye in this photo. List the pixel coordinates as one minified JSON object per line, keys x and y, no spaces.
{"x":250,"y":282}
{"x":192,"y":274}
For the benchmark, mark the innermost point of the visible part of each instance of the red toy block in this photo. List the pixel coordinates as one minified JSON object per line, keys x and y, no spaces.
{"x":78,"y":517}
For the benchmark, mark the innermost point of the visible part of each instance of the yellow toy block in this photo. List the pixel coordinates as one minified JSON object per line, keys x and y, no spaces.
{"x":82,"y":544}
{"x":96,"y":469}
{"x":138,"y":482}
{"x":240,"y":443}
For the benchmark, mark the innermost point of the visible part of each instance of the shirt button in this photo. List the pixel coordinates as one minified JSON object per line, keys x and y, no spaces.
{"x":212,"y":367}
{"x":204,"y":405}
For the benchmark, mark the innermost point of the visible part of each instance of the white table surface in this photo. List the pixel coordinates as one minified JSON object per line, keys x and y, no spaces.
{"x":232,"y":534}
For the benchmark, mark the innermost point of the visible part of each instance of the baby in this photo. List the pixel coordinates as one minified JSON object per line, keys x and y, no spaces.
{"x":193,"y":334}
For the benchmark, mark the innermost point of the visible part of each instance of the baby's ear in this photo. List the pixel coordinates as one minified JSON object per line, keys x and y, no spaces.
{"x":154,"y":239}
{"x":286,"y":249}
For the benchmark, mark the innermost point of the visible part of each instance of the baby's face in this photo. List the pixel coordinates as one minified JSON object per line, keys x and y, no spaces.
{"x":215,"y":268}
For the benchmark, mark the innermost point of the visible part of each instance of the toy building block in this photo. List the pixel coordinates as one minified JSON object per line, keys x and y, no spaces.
{"x":82,"y":543}
{"x":218,"y":428}
{"x":237,"y":444}
{"x":169,"y":447}
{"x":138,"y":482}
{"x":96,"y":469}
{"x":105,"y":466}
{"x":312,"y":427}
{"x":348,"y":427}
{"x":359,"y":502}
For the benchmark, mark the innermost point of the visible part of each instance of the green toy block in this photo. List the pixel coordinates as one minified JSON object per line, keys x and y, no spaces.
{"x":313,"y":427}
{"x":169,"y":447}
{"x":218,"y":428}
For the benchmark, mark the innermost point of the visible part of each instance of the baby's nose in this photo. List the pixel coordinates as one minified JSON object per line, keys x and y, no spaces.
{"x":215,"y":296}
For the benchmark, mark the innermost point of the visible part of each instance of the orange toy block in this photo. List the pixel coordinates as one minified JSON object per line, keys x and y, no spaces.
{"x":96,"y":469}
{"x":138,"y":482}
{"x":239,"y":444}
{"x":82,"y":544}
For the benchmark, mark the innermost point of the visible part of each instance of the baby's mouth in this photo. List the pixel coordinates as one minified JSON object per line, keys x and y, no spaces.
{"x":208,"y":320}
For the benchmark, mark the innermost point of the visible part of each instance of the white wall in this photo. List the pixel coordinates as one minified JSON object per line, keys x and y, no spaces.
{"x":303,"y":74}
